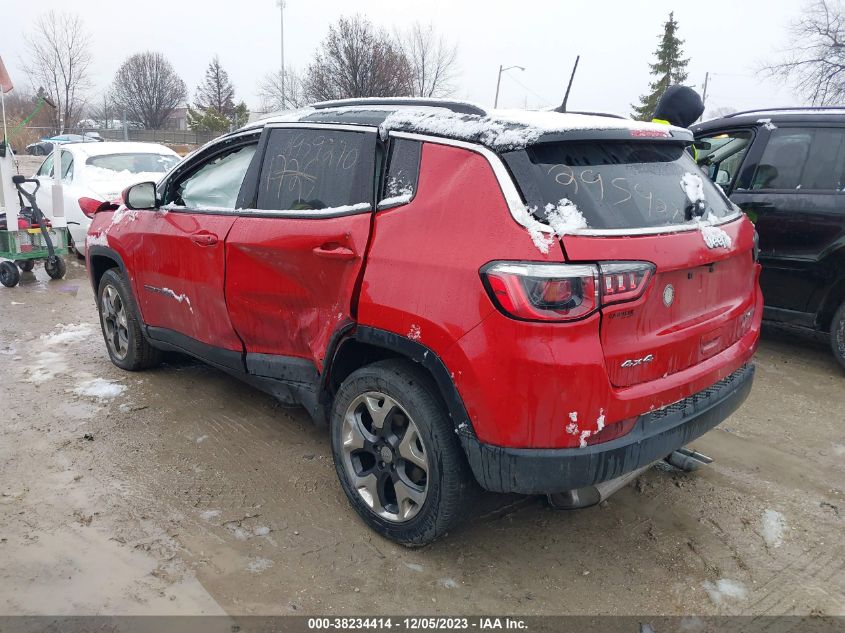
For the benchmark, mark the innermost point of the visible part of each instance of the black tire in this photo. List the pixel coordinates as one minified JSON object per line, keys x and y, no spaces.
{"x":132,"y":352}
{"x":55,"y":267}
{"x":26,"y":265}
{"x":837,"y":335}
{"x":449,"y":484}
{"x":9,"y":274}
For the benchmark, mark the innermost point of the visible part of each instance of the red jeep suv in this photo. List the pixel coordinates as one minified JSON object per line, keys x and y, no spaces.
{"x":538,"y":302}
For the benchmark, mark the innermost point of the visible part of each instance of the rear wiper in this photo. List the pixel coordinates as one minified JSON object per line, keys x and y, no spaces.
{"x":695,"y":210}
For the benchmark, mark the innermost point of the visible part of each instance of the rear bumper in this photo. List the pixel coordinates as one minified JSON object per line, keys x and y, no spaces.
{"x":656,"y":434}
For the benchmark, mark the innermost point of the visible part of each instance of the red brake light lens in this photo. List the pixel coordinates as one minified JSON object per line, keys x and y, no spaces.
{"x":563,"y":292}
{"x":90,"y":206}
{"x":624,"y":281}
{"x":543,"y":292}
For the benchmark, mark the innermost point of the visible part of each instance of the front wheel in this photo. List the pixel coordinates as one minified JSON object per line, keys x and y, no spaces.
{"x":837,"y":335}
{"x":55,"y":267}
{"x":396,"y":453}
{"x":125,"y":342}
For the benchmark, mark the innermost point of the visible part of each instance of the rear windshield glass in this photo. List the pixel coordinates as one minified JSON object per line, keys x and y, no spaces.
{"x":134,"y":163}
{"x":615,"y":184}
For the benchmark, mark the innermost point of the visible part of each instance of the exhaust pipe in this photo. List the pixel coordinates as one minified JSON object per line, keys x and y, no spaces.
{"x":688,"y":460}
{"x":592,"y":495}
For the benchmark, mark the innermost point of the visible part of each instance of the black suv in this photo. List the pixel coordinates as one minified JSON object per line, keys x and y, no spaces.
{"x":786,"y":169}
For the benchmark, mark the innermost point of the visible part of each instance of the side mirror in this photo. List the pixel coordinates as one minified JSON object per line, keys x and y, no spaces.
{"x":723,"y":178}
{"x":141,"y":196}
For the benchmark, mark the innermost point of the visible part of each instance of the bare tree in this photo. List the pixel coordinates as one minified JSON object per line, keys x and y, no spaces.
{"x":432,"y":59}
{"x":270,"y":91}
{"x":58,"y":60}
{"x":815,"y":60}
{"x":147,"y":89}
{"x":357,"y":60}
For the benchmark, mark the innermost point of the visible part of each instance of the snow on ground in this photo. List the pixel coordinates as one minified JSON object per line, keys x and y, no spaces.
{"x":48,"y":358}
{"x":725,"y":589}
{"x":773,"y":528}
{"x":70,"y":333}
{"x":100,"y":388}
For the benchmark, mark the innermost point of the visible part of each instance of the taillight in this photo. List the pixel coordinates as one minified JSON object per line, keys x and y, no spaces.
{"x":543,"y":292}
{"x":90,"y":206}
{"x":624,"y":281}
{"x":563,"y":292}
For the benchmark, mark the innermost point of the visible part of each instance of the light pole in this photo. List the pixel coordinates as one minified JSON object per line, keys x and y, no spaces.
{"x":281,"y":4}
{"x":499,"y":82}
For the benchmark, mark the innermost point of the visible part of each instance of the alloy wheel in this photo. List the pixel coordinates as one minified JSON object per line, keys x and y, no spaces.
{"x":384,"y":456}
{"x":115,"y":325}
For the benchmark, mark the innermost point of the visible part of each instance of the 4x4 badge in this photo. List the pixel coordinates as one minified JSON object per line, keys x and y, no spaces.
{"x":668,"y":295}
{"x":633,"y":362}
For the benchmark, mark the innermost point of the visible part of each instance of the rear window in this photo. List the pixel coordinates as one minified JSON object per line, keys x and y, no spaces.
{"x":138,"y":163}
{"x":614,"y":184}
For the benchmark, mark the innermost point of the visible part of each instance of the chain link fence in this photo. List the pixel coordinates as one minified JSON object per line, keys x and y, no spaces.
{"x":165,"y":137}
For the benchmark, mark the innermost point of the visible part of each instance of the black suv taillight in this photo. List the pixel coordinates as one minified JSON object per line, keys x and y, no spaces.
{"x":562,"y":292}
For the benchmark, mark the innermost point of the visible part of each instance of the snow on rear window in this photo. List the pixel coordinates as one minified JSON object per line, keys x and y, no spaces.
{"x":134,"y":163}
{"x":617,"y":184}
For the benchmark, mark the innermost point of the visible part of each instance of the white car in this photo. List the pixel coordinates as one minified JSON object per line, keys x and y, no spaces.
{"x":93,"y":173}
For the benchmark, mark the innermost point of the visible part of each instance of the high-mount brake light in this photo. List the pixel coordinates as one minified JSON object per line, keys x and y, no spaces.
{"x":562,"y":292}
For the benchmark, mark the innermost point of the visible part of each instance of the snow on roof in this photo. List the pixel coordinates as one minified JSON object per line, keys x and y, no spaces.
{"x":498,"y":129}
{"x":506,"y":129}
{"x":117,"y":147}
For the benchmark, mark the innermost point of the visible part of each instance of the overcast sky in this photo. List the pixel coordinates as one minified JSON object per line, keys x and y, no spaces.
{"x":615,"y":38}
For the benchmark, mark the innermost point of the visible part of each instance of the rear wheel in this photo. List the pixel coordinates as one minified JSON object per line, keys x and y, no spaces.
{"x":9,"y":275}
{"x":26,"y":265}
{"x":837,"y":335}
{"x":125,"y":342}
{"x":396,"y":453}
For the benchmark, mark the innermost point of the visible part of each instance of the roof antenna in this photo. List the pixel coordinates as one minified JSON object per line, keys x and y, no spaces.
{"x":562,"y":106}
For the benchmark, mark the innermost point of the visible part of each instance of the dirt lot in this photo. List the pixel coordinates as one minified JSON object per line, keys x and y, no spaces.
{"x":181,"y":490}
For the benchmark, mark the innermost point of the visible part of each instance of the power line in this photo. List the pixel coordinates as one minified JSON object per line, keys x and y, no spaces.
{"x":539,"y":96}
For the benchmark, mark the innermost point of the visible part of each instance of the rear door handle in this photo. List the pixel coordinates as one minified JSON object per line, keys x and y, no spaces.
{"x":204,"y":238}
{"x":333,"y":250}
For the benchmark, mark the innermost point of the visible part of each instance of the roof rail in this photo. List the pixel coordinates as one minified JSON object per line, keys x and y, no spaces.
{"x":810,"y":108}
{"x":458,"y":107}
{"x":607,"y":114}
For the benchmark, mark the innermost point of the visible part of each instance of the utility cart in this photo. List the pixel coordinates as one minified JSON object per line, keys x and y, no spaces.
{"x":26,"y":236}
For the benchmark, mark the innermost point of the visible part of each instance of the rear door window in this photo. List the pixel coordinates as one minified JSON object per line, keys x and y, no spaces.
{"x":403,"y":167}
{"x":615,"y":184}
{"x":317,"y":169}
{"x":802,"y":159}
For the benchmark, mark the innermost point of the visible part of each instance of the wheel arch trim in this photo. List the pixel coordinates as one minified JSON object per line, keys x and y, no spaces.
{"x":411,"y":350}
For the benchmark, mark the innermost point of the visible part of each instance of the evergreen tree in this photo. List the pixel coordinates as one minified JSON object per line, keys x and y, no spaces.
{"x":214,"y":105}
{"x":669,"y":69}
